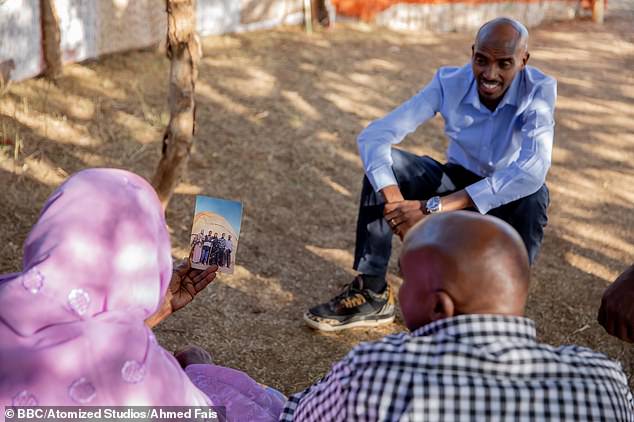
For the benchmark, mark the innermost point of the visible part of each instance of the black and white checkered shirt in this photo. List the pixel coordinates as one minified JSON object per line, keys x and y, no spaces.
{"x":467,"y":368}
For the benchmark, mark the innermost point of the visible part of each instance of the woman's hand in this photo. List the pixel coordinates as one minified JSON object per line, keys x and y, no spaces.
{"x":185,"y":284}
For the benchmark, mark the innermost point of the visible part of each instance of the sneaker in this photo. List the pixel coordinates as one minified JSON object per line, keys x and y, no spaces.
{"x":355,"y":306}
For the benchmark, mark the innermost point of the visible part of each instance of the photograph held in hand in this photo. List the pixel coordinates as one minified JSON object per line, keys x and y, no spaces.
{"x":215,"y":233}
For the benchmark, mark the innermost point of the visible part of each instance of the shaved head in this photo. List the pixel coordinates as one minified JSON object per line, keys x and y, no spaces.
{"x":462,"y":263}
{"x":513,"y":32}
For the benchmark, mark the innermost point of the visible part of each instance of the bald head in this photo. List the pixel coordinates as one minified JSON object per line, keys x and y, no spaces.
{"x":504,"y":30}
{"x":462,"y":263}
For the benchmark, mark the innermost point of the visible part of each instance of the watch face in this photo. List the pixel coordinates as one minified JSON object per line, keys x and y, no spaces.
{"x":433,"y":204}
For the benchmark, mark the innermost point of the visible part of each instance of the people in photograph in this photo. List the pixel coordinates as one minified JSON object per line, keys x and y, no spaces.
{"x":616,"y":313}
{"x":222,"y":242}
{"x":206,"y":249}
{"x":197,"y":247}
{"x":75,"y":328}
{"x":499,"y":117}
{"x":471,"y":354}
{"x":228,"y":249}
{"x":213,"y":259}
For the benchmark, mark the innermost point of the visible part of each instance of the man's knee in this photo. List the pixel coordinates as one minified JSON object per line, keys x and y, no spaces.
{"x":535,"y":206}
{"x":528,"y":216}
{"x":406,"y":166}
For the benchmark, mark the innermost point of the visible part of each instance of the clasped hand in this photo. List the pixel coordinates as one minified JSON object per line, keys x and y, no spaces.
{"x":403,"y":215}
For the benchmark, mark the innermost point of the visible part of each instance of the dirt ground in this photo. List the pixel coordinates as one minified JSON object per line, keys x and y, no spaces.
{"x":278,"y":113}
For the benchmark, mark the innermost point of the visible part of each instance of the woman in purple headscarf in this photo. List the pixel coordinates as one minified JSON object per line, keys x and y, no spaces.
{"x":96,"y":265}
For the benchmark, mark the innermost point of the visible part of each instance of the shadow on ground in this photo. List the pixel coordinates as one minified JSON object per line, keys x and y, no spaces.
{"x":278,"y":113}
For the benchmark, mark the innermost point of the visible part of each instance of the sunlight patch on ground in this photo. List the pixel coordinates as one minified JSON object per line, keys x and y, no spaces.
{"x":106,"y":87}
{"x":255,"y":83}
{"x":266,"y":289}
{"x":205,"y":90}
{"x":593,"y":105}
{"x":185,"y":188}
{"x":600,"y":150}
{"x":590,"y":266}
{"x":301,"y":105}
{"x":610,"y":252}
{"x":45,"y":95}
{"x":378,"y":65}
{"x":44,"y":172}
{"x":561,"y":155}
{"x":140,"y":130}
{"x":340,"y":152}
{"x":58,"y":129}
{"x":339,"y":257}
{"x":331,"y":183}
{"x":361,"y":109}
{"x":615,"y":186}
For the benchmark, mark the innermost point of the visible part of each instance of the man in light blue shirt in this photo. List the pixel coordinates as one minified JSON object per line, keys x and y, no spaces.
{"x":499,"y":117}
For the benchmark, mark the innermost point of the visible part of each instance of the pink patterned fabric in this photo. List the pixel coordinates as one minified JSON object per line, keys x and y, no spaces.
{"x":96,"y":265}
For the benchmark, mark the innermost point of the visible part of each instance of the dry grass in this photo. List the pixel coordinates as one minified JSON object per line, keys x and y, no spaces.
{"x":278,"y":113}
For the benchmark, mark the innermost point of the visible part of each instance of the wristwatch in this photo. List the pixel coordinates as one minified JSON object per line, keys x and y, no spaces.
{"x":433,"y":205}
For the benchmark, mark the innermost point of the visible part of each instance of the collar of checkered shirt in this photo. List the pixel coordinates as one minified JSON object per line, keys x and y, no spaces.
{"x":478,"y":328}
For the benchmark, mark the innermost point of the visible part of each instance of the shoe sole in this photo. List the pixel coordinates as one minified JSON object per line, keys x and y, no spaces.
{"x":368,"y":323}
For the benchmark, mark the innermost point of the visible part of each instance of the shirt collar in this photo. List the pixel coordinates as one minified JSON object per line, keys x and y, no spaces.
{"x":510,"y":97}
{"x":482,"y":329}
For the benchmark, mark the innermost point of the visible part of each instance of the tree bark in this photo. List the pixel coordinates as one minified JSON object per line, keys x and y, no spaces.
{"x":51,"y":36}
{"x":320,"y":13}
{"x":183,"y":50}
{"x":598,"y":10}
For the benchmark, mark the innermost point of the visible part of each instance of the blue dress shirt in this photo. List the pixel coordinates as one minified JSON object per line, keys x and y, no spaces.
{"x":510,"y":147}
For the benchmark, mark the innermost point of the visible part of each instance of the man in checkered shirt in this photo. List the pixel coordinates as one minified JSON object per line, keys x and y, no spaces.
{"x":471,"y":354}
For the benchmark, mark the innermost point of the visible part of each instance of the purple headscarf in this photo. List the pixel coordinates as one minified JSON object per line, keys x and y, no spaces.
{"x":96,"y":264}
{"x":72,"y":332}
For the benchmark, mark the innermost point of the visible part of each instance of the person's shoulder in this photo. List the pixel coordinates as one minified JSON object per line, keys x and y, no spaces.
{"x":587,"y":362}
{"x":454,"y":81}
{"x":536,"y":80}
{"x":537,"y":89}
{"x":449,"y":74}
{"x":380,"y":352}
{"x":537,"y":77}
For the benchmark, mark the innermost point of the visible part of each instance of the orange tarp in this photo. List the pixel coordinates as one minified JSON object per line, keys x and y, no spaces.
{"x":367,"y":9}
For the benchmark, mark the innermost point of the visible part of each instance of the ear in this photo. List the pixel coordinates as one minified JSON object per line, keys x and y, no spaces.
{"x":443,"y":306}
{"x":525,"y":59}
{"x":472,"y":50}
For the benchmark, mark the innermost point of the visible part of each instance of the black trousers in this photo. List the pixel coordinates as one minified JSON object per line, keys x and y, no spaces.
{"x":421,"y":178}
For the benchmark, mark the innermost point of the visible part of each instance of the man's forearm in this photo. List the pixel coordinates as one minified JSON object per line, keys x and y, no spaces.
{"x":392,"y":193}
{"x":458,"y":200}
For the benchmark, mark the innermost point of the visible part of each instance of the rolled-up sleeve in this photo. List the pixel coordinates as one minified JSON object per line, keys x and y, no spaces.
{"x":527,"y":173}
{"x":376,"y":140}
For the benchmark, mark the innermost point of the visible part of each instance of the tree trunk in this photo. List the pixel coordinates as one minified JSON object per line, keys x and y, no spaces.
{"x":598,"y":10}
{"x":183,"y":49}
{"x":52,"y":37}
{"x":320,"y":13}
